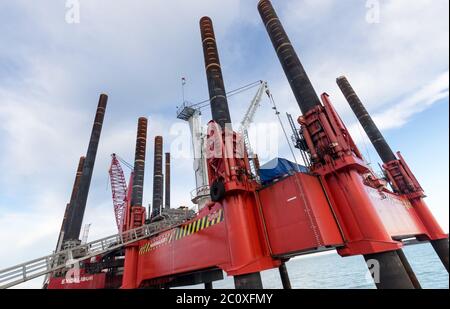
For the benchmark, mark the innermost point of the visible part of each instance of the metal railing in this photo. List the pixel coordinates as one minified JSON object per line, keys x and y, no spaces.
{"x":199,"y":192}
{"x":38,"y":267}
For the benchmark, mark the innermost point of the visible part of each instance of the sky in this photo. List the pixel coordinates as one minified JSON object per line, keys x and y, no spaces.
{"x":55,"y":60}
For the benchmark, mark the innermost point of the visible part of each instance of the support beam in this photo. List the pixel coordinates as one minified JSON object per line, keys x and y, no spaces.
{"x":248,"y":281}
{"x":219,"y":104}
{"x":136,"y":213}
{"x":167,"y":182}
{"x":409,"y":270}
{"x":76,"y":211}
{"x":369,"y":126}
{"x":139,"y":163}
{"x":221,"y":115}
{"x":75,"y":188}
{"x":298,"y":79}
{"x":387,"y":156}
{"x":206,"y":277}
{"x":391,"y":273}
{"x":157,"y":177}
{"x":441,"y":248}
{"x":284,"y":276}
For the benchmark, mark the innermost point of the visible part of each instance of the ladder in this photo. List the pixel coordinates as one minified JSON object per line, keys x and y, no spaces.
{"x":47,"y":264}
{"x":299,"y":141}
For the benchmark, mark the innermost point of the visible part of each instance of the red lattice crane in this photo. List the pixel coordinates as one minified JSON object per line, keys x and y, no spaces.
{"x":119,"y":192}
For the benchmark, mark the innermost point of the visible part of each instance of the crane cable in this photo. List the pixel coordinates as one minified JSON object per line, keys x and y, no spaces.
{"x":121,"y":160}
{"x":277,"y":113}
{"x":229,"y":94}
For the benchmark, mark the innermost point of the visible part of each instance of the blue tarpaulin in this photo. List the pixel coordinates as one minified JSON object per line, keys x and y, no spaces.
{"x":277,"y":168}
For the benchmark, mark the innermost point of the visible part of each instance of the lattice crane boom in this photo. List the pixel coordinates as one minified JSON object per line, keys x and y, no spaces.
{"x":247,"y":121}
{"x":253,"y":107}
{"x":119,"y":191}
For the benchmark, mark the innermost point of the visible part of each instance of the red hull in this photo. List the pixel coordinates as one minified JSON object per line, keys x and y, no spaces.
{"x":86,"y":281}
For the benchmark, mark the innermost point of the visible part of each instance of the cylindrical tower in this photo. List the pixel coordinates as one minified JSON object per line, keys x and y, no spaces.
{"x":75,"y":187}
{"x":76,"y":211}
{"x":375,"y":136}
{"x":219,"y":105}
{"x":157,"y":177}
{"x":167,"y":181}
{"x":298,"y":79}
{"x":139,"y":163}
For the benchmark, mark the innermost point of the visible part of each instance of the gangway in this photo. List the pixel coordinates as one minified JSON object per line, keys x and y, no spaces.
{"x":23,"y":272}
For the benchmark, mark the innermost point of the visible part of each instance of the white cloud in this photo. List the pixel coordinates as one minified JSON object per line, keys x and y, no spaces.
{"x":385,"y":61}
{"x":400,"y":113}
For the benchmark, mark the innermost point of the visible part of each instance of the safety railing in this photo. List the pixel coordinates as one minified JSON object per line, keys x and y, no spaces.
{"x":38,"y":267}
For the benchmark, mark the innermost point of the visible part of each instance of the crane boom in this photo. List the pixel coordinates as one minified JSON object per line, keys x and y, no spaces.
{"x":253,"y":107}
{"x":247,"y":121}
{"x":119,"y":191}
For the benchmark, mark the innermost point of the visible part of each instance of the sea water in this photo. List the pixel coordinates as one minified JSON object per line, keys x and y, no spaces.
{"x":330,"y":271}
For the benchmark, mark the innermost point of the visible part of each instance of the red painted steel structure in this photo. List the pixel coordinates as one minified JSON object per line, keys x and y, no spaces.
{"x":85,"y":281}
{"x":240,"y":243}
{"x":296,"y":206}
{"x":344,"y":205}
{"x":358,"y":197}
{"x":341,"y":204}
{"x":347,"y":209}
{"x":399,"y":174}
{"x":248,"y":228}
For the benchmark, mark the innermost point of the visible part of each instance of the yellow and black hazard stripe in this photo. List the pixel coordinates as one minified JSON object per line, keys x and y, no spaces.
{"x":183,"y":231}
{"x":198,"y":225}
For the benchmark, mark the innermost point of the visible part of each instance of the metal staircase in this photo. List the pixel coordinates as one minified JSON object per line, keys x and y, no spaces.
{"x":47,"y":264}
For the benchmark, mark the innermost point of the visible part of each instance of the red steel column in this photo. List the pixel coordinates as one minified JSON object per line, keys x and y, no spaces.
{"x":246,"y":248}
